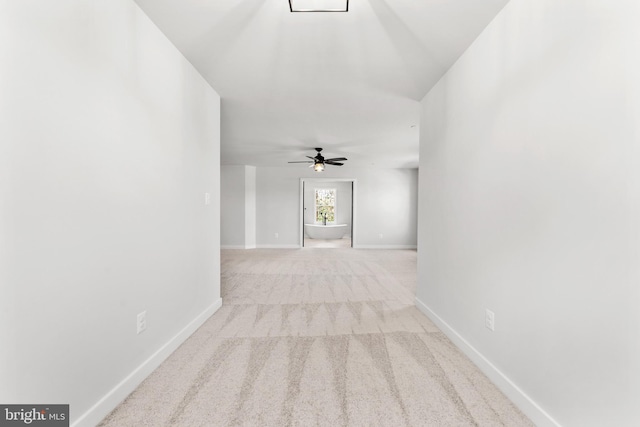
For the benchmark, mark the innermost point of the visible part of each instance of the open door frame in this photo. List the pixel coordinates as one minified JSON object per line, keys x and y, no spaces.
{"x":353,"y":181}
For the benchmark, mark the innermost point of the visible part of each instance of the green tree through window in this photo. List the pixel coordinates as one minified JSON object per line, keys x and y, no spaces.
{"x":325,"y":204}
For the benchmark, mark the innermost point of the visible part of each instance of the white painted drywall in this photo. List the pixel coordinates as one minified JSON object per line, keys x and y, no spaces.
{"x":529,"y":206}
{"x":238,"y":207}
{"x":386,"y":201}
{"x":232,"y":206}
{"x":343,"y":201}
{"x":109,"y":140}
{"x":250,"y":207}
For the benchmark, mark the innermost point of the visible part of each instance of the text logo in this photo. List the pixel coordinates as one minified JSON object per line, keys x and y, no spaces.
{"x":34,"y":415}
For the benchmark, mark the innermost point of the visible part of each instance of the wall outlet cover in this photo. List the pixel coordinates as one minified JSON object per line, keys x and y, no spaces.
{"x":141,"y":322}
{"x":490,"y":320}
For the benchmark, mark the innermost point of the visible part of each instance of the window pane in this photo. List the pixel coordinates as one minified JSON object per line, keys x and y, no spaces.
{"x":325,"y":204}
{"x":328,"y":210}
{"x":325,"y":197}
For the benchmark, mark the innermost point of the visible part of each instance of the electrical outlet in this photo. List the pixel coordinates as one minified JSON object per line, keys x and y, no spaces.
{"x":142,"y":321}
{"x":380,"y":235}
{"x":277,"y":235}
{"x":490,"y":320}
{"x":207,"y":198}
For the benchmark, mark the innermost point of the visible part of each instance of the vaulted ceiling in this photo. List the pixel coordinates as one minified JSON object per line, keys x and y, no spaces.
{"x":348,"y":82}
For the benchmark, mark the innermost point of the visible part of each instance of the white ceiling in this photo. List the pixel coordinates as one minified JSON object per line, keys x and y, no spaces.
{"x":348,"y":82}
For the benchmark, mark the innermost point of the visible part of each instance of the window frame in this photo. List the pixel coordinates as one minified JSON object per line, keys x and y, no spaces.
{"x":315,"y":205}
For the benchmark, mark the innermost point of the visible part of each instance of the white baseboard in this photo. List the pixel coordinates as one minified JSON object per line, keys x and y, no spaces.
{"x":527,"y":405}
{"x":113,"y":398}
{"x":385,"y":247}
{"x":232,"y":247}
{"x":278,"y":246}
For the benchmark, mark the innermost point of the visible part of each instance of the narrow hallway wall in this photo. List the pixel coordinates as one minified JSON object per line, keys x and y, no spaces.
{"x":109,"y":140}
{"x":530,"y":207}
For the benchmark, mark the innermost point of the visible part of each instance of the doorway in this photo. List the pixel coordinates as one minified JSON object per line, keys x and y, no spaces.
{"x":327,"y":212}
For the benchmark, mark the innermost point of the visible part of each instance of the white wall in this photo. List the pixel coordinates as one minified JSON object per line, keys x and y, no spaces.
{"x":250,"y":207}
{"x":529,"y":206}
{"x":386,"y":203}
{"x":238,"y":207}
{"x":232,"y":206}
{"x":108,"y":141}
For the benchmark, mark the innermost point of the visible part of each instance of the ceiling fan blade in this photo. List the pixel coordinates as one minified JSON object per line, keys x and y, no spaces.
{"x":320,"y":161}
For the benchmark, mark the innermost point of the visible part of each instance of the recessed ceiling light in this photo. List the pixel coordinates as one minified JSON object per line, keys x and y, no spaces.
{"x":319,"y":5}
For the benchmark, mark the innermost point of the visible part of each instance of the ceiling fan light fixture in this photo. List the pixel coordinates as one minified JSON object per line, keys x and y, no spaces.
{"x":318,"y":167}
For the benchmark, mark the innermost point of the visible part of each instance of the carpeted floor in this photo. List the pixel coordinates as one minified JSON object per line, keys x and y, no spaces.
{"x":317,"y":337}
{"x":344,"y":243}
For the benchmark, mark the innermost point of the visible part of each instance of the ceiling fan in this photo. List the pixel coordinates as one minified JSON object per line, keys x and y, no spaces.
{"x":319,"y":161}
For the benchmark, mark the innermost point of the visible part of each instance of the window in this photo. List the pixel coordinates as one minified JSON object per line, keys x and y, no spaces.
{"x":325,"y":204}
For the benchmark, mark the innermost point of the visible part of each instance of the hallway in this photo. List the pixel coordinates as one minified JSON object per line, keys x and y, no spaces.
{"x":317,"y":337}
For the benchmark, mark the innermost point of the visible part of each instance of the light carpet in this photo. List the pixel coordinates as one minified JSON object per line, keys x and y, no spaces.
{"x":345,"y":242}
{"x":317,"y":337}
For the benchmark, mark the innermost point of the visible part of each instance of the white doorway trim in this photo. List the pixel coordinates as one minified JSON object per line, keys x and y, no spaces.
{"x":353,"y":205}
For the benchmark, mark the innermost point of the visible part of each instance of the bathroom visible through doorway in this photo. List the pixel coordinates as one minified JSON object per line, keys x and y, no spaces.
{"x":327,"y":213}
